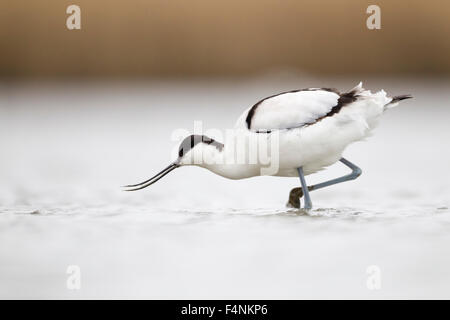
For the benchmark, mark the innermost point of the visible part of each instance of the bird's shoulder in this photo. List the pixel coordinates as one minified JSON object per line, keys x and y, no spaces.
{"x":289,"y":109}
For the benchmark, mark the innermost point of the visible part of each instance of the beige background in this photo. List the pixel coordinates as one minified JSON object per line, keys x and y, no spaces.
{"x":154,"y":38}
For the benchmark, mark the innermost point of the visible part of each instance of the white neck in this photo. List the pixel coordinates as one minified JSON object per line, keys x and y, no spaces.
{"x":222,"y":162}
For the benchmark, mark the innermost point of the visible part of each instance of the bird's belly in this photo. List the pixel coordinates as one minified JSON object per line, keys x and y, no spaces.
{"x":314,"y":149}
{"x":312,"y":161}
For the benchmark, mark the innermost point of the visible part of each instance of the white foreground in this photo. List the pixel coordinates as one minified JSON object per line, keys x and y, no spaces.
{"x":66,"y":150}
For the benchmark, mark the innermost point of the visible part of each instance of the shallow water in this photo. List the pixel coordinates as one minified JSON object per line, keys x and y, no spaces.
{"x":66,"y":149}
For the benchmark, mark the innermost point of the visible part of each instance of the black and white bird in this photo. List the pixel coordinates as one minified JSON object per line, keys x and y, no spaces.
{"x":311,"y":128}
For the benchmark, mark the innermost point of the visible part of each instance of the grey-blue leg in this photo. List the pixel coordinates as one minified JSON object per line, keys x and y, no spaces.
{"x":308,"y":203}
{"x":356,"y":172}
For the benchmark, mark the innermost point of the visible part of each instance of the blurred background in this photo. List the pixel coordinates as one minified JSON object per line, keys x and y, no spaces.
{"x":197,"y":38}
{"x":83,"y":112}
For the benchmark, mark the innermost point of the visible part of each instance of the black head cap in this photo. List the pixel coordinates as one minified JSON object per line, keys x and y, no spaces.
{"x":191,"y":141}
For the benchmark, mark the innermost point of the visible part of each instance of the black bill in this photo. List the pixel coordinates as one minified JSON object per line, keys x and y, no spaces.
{"x":152,"y":180}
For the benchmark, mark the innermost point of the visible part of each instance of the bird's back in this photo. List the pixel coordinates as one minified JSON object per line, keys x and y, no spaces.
{"x":315,"y":125}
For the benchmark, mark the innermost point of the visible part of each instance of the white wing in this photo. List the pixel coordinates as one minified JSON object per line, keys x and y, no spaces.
{"x":289,"y":110}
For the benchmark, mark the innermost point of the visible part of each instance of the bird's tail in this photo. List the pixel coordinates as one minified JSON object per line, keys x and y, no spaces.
{"x":381,"y":98}
{"x":396,"y":99}
{"x":401,"y":97}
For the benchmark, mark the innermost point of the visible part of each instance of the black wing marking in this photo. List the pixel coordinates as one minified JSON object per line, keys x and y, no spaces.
{"x":344,"y":99}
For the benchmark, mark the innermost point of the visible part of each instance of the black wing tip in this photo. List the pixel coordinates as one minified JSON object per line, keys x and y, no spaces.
{"x":401,"y":97}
